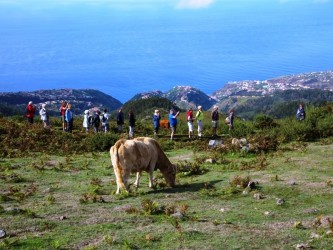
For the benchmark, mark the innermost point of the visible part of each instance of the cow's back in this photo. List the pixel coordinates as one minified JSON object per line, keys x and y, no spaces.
{"x":154,"y":147}
{"x":133,"y":155}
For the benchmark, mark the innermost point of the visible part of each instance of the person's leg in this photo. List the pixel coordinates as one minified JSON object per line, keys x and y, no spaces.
{"x":172,"y":132}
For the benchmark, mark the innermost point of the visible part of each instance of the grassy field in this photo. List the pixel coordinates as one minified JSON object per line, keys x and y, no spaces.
{"x":53,"y":202}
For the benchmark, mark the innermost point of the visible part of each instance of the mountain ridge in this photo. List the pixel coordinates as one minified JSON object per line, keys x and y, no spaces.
{"x":231,"y":95}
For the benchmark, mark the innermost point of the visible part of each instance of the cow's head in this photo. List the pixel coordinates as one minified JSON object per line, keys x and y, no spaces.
{"x":170,"y":175}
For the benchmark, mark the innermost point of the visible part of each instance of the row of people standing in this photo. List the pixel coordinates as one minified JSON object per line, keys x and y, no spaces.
{"x":97,"y":120}
{"x":199,"y":117}
{"x":214,"y":118}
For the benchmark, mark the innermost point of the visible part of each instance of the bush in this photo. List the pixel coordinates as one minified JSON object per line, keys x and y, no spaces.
{"x":264,"y":122}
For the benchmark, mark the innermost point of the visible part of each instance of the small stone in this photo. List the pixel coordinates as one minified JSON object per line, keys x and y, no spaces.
{"x":245,"y":192}
{"x":291,"y":183}
{"x":302,"y":246}
{"x":177,"y":215}
{"x":280,"y":202}
{"x":298,"y":225}
{"x":14,"y":210}
{"x":267,"y":213}
{"x":210,"y":160}
{"x":251,"y":185}
{"x":2,"y":233}
{"x":258,"y":196}
{"x":314,"y":235}
{"x":48,"y":190}
{"x":63,"y":217}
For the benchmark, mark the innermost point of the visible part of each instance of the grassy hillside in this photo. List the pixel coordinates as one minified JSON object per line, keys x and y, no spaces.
{"x":57,"y":189}
{"x":54,"y":202}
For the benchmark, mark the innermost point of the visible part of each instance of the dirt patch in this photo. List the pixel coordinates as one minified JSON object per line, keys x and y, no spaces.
{"x":183,"y":157}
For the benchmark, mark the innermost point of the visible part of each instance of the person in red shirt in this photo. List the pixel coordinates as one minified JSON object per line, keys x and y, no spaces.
{"x":190,"y":119}
{"x":30,"y":112}
{"x":62,"y":110}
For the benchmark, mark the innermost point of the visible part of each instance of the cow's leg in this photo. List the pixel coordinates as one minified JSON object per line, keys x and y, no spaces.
{"x":121,"y":180}
{"x":126,"y":177}
{"x":118,"y":189}
{"x":138,"y":175}
{"x":151,"y":178}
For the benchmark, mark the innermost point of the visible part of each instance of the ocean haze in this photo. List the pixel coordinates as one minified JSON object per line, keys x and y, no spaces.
{"x":124,"y":51}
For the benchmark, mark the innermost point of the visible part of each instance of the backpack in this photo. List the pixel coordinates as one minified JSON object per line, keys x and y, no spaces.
{"x":104,"y":119}
{"x":190,"y":116}
{"x":95,"y":120}
{"x":227,"y":120}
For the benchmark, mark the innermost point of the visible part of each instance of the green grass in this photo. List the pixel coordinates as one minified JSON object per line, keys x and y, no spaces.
{"x":70,"y":203}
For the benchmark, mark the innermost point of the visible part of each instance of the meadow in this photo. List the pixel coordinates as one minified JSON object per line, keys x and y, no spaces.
{"x":57,"y":190}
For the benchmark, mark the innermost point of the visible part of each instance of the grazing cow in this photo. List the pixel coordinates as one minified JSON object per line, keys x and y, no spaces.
{"x":135,"y":156}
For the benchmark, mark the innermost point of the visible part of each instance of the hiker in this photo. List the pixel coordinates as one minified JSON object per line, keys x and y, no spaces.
{"x":156,"y":121}
{"x":229,"y":120}
{"x":105,"y":121}
{"x":44,"y":116}
{"x":199,"y":117}
{"x":190,"y":120}
{"x":173,"y":122}
{"x":62,"y":111}
{"x":131,"y":123}
{"x":69,"y":118}
{"x":300,"y":114}
{"x":86,"y":120}
{"x":30,"y":112}
{"x":96,"y":121}
{"x":120,"y":120}
{"x":215,"y":120}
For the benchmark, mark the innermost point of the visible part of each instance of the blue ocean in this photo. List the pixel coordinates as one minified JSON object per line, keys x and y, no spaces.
{"x":123,"y":52}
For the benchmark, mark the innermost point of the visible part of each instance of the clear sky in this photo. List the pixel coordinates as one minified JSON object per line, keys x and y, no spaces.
{"x":123,"y":47}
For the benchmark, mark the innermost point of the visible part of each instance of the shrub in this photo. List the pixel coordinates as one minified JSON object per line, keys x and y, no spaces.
{"x":262,"y":121}
{"x":239,"y":181}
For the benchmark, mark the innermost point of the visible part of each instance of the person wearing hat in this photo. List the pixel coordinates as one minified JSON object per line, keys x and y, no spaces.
{"x":86,"y":123}
{"x":30,"y":112}
{"x":199,"y":117}
{"x":44,"y":116}
{"x":173,"y":122}
{"x":215,"y":120}
{"x":105,"y":121}
{"x":190,"y":120}
{"x":156,"y":121}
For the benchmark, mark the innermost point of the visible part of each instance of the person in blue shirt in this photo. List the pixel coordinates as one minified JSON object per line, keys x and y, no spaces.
{"x":300,"y":114}
{"x":156,"y":121}
{"x":69,"y":117}
{"x":173,"y":122}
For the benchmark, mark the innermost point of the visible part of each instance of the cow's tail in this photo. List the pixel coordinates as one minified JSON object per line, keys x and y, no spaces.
{"x":118,"y":170}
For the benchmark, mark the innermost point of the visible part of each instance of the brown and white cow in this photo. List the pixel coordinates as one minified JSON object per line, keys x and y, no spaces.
{"x":137,"y":155}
